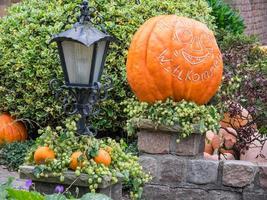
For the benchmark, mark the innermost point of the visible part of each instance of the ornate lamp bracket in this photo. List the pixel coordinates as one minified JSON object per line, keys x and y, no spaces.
{"x":81,"y":100}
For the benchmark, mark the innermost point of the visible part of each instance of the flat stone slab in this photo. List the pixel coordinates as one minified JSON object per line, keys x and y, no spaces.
{"x":238,"y":173}
{"x":47,"y":185}
{"x":263,"y":175}
{"x":27,"y":172}
{"x":202,"y":171}
{"x":163,"y":140}
{"x":157,"y":142}
{"x":224,"y":195}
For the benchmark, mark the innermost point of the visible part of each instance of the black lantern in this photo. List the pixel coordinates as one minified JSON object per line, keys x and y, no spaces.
{"x":83,"y":50}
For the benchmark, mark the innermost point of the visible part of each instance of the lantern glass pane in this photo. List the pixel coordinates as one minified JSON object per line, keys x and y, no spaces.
{"x":101,"y":46}
{"x":78,"y":60}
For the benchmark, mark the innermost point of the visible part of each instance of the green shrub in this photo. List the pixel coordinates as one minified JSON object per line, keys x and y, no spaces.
{"x":226,"y":19}
{"x":238,"y":49}
{"x":28,"y":63}
{"x":244,"y":84}
{"x":13,"y":155}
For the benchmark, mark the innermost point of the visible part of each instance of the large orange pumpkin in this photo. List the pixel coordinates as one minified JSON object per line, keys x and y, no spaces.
{"x":43,"y":154}
{"x":103,"y":157}
{"x":174,"y":57}
{"x":11,"y":130}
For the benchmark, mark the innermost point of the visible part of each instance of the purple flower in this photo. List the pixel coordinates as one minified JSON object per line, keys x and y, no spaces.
{"x":59,"y":189}
{"x":28,"y":184}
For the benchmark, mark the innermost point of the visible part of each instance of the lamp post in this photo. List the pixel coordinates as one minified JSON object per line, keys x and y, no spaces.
{"x":82,"y":51}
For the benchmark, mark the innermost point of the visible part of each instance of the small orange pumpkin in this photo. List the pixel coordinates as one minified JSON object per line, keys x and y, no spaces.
{"x":42,"y":154}
{"x":174,"y":57}
{"x":74,"y":160}
{"x":11,"y":130}
{"x":103,"y":157}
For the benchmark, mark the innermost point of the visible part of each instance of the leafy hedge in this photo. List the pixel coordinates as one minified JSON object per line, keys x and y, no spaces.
{"x":28,"y":63}
{"x":226,"y":19}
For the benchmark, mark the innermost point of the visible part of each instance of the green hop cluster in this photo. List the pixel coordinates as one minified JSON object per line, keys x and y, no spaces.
{"x":188,"y":115}
{"x":63,"y":142}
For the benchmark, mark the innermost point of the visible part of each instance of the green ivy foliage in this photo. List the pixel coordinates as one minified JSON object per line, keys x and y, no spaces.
{"x":226,"y":19}
{"x":28,"y":62}
{"x":13,"y":155}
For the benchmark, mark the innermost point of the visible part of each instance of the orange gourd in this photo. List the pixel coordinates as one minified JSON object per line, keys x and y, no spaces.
{"x":43,"y":154}
{"x":74,"y":160}
{"x":174,"y":57}
{"x":103,"y":157}
{"x":11,"y":130}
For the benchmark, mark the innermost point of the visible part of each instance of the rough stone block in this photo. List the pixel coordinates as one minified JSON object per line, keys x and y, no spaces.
{"x":114,"y":191}
{"x":263,"y":176}
{"x":154,"y":192}
{"x":149,"y":164}
{"x":171,"y":169}
{"x":202,"y":171}
{"x":254,"y":196}
{"x":190,"y":146}
{"x":190,"y":194}
{"x":238,"y":173}
{"x":223,"y":195}
{"x":163,"y":142}
{"x":154,"y":142}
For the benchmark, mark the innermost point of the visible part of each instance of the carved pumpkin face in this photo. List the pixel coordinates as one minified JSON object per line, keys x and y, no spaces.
{"x":174,"y":57}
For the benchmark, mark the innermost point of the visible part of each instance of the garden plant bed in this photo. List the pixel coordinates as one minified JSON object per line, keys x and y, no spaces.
{"x":47,"y":185}
{"x":187,"y":176}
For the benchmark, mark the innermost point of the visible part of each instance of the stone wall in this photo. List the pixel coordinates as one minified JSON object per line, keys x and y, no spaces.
{"x":4,"y":4}
{"x":180,"y":173}
{"x":175,"y":177}
{"x":254,"y":13}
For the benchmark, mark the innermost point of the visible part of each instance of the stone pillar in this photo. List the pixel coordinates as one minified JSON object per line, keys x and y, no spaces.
{"x":180,"y":173}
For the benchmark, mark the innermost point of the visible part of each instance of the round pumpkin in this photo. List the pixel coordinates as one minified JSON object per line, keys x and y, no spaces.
{"x":174,"y":57}
{"x":11,"y":130}
{"x":74,"y":160}
{"x":103,"y":157}
{"x":42,"y":154}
